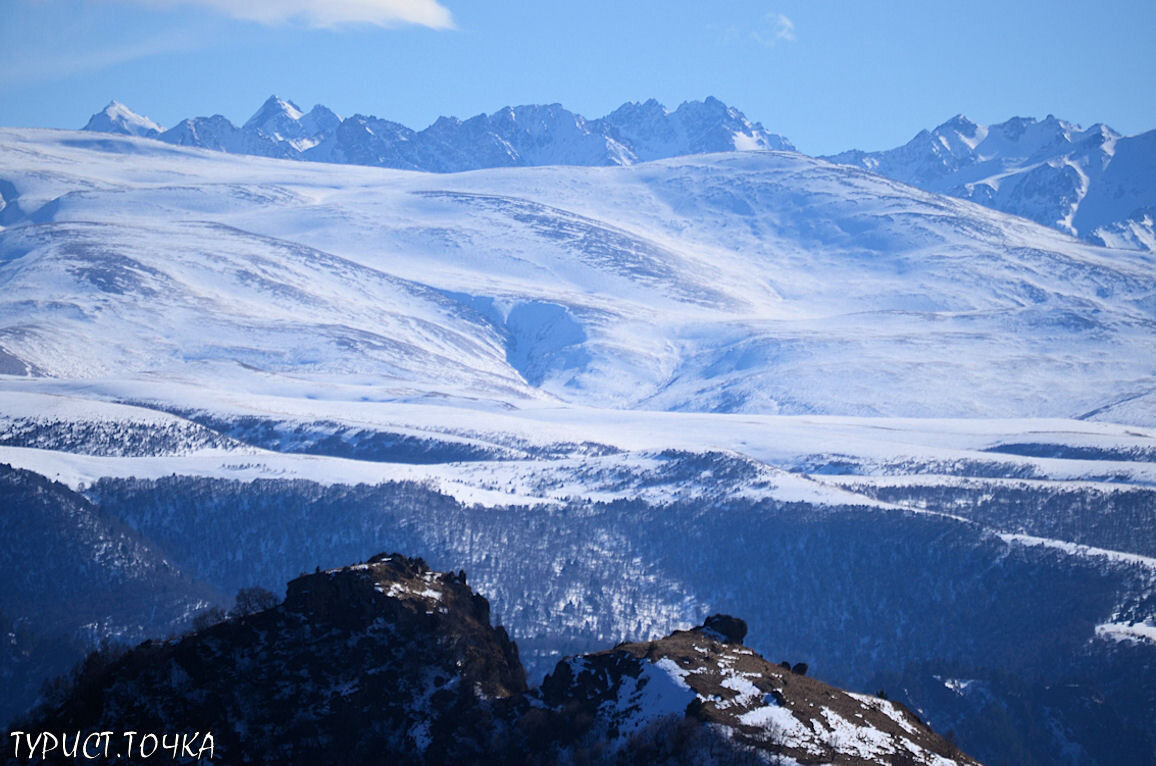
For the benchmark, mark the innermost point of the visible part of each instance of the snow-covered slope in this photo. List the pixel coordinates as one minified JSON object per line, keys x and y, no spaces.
{"x":749,"y":282}
{"x":1092,"y":183}
{"x":81,"y":426}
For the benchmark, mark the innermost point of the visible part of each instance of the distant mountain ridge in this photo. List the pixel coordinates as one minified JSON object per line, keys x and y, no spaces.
{"x":1092,"y":183}
{"x":510,"y":137}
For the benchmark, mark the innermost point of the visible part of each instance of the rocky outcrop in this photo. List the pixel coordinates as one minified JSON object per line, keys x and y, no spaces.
{"x":629,"y":692}
{"x":391,"y":662}
{"x":381,"y":662}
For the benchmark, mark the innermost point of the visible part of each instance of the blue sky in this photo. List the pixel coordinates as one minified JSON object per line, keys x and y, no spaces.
{"x":829,"y":75}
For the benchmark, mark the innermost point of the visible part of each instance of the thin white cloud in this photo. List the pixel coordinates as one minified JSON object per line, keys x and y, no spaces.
{"x":328,"y":13}
{"x":777,"y":28}
{"x":63,"y":63}
{"x":784,"y":28}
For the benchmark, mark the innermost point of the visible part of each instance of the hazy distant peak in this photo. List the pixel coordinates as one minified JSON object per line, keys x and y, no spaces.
{"x":959,"y":123}
{"x":275,"y":108}
{"x":1051,"y":171}
{"x":635,"y":110}
{"x":320,"y":119}
{"x":118,"y":118}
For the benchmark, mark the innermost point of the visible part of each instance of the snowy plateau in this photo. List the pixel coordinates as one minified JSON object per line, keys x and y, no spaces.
{"x":910,"y":439}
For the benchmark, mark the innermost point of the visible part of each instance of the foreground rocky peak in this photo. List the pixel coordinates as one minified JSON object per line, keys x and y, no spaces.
{"x":389,"y":661}
{"x":414,"y":601}
{"x":707,"y":676}
{"x":359,"y":664}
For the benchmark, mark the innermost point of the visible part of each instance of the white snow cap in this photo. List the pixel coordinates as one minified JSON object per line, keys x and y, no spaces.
{"x":118,"y":118}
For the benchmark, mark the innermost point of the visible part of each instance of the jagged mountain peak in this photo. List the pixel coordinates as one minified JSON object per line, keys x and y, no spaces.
{"x":538,"y":116}
{"x":1029,"y":130}
{"x":708,"y":104}
{"x":1041,"y":169}
{"x":650,"y":108}
{"x":528,"y":134}
{"x":288,"y":128}
{"x":445,"y":121}
{"x":551,"y":108}
{"x":118,"y":118}
{"x":320,"y":119}
{"x":695,"y":127}
{"x":115,"y":107}
{"x":712,"y":109}
{"x":1103,"y":131}
{"x":274,"y":108}
{"x":960,"y":123}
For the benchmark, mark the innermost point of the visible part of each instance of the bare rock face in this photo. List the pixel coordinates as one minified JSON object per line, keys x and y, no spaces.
{"x":731,"y":629}
{"x":391,"y":662}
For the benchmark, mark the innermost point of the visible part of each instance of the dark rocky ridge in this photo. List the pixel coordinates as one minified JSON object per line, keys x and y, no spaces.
{"x":390,"y":662}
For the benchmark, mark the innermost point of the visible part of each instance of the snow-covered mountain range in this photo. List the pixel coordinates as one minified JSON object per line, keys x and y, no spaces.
{"x":906,"y":436}
{"x":1092,"y":183}
{"x":510,"y":137}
